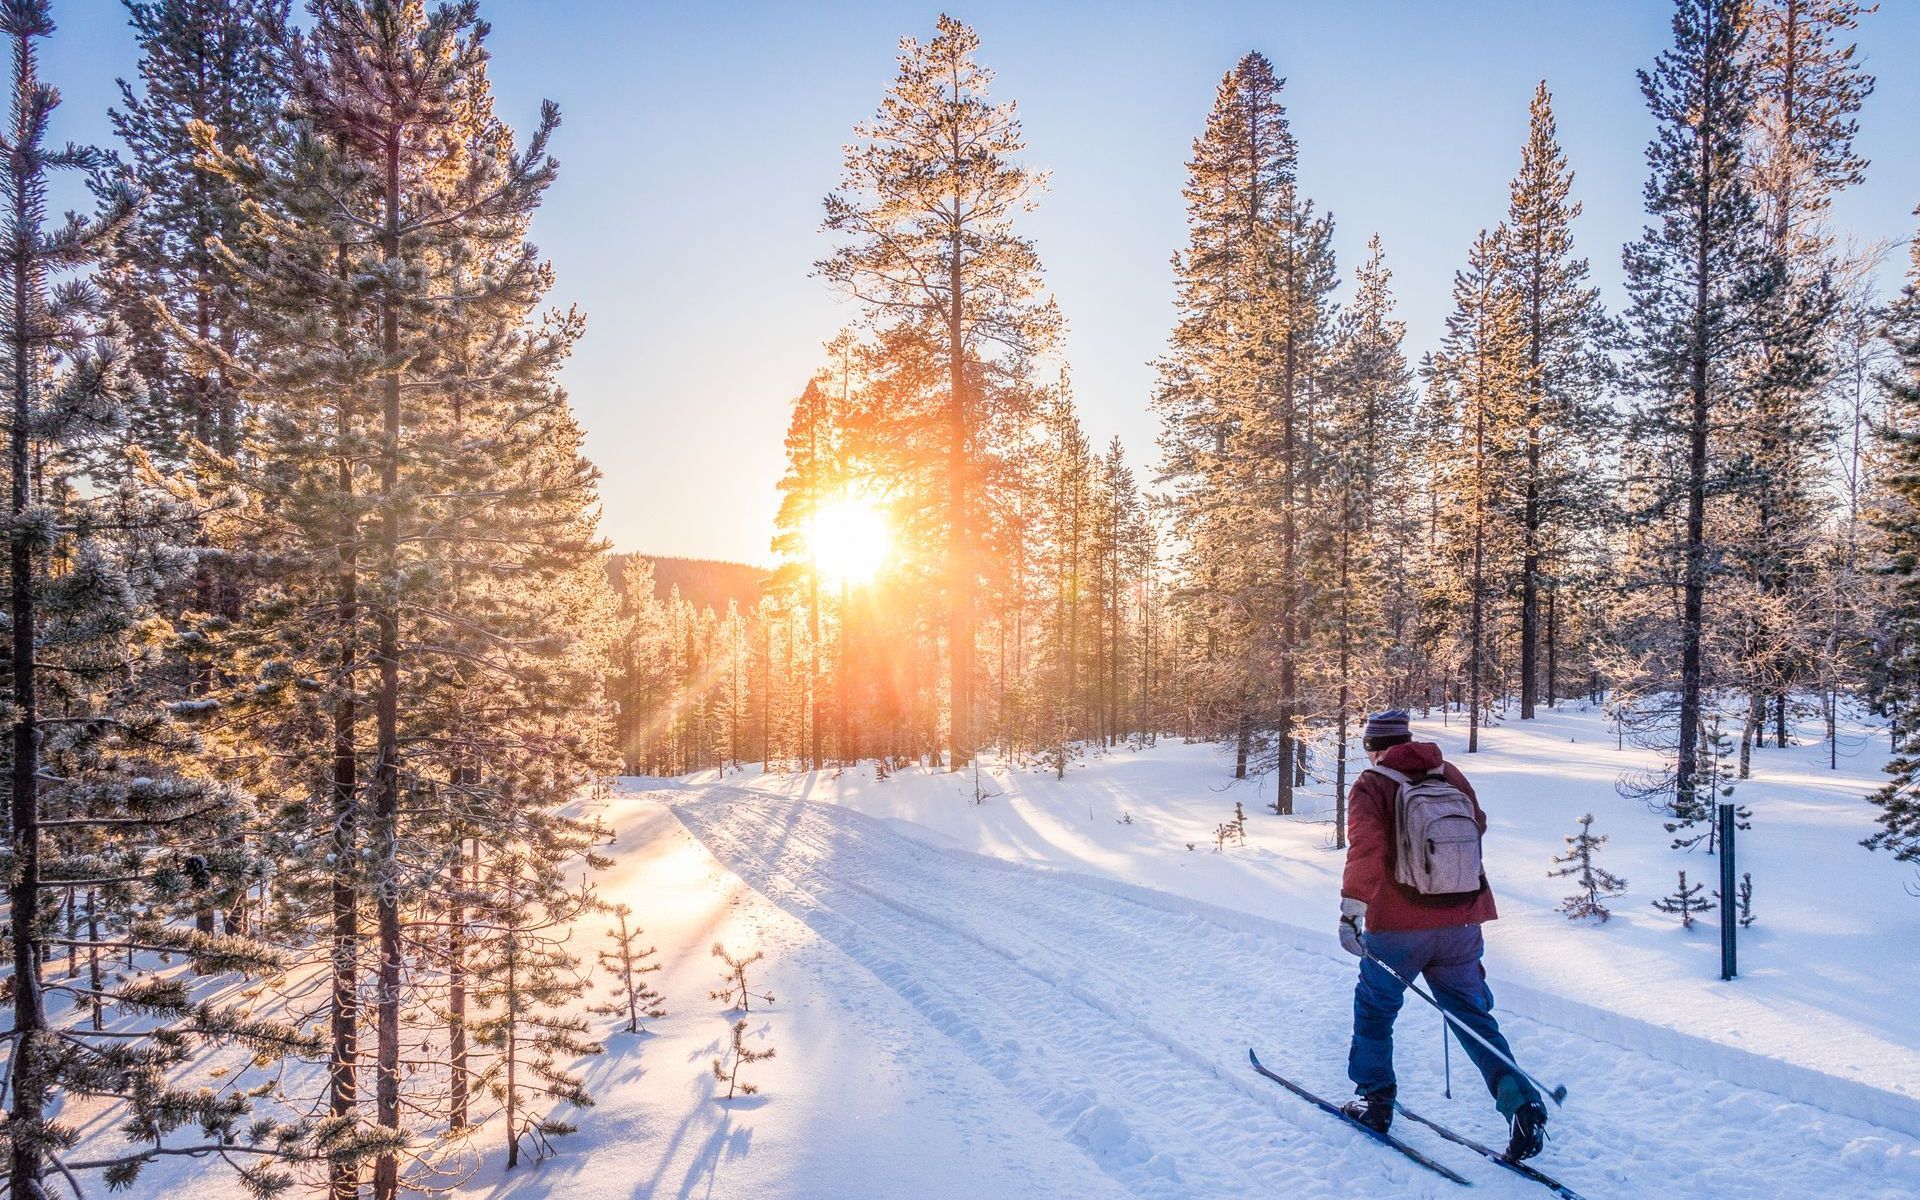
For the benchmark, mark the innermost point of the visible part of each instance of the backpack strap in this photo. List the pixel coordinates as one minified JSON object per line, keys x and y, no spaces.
{"x":1390,"y":773}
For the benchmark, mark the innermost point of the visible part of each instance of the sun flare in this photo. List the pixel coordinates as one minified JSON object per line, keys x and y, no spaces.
{"x":850,"y":540}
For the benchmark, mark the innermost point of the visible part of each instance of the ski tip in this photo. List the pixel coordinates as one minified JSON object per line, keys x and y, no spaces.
{"x":1252,"y":1057}
{"x":1559,"y":1095}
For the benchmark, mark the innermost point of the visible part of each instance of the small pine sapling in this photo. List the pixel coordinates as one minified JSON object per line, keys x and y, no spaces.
{"x":1239,"y":824}
{"x":1714,"y":783}
{"x":632,"y":998}
{"x":1742,"y":900}
{"x":1597,"y":884}
{"x":1221,"y":833}
{"x":741,"y":1056}
{"x":738,"y":995}
{"x":1685,"y":901}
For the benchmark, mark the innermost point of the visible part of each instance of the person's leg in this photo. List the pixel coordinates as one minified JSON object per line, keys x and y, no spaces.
{"x":1459,"y":983}
{"x":1376,"y":1002}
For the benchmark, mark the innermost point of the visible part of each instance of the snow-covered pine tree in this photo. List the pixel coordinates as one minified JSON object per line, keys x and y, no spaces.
{"x":1809,"y":85}
{"x":927,"y":206}
{"x":812,"y":479}
{"x":1896,"y":520}
{"x":641,"y":681}
{"x":210,"y":63}
{"x":737,"y":992}
{"x":294,"y":657}
{"x":630,"y":996}
{"x":1366,"y":469}
{"x":1120,"y":558}
{"x":1597,"y":884}
{"x":1064,"y":557}
{"x":1234,"y":393}
{"x":1694,"y":276}
{"x":1478,"y":381}
{"x":524,"y":980}
{"x":1849,"y":660}
{"x":1565,"y":333}
{"x":1684,"y":901}
{"x":108,"y":801}
{"x":207,"y":68}
{"x":1697,"y":822}
{"x":486,"y":599}
{"x":726,"y":1068}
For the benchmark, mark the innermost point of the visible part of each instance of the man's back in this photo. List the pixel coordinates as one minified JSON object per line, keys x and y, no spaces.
{"x":1370,"y":851}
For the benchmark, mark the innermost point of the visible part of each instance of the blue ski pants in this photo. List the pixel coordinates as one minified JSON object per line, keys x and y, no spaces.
{"x":1450,"y":959}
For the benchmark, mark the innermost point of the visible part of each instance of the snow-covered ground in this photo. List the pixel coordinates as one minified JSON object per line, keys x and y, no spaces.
{"x":1030,"y":998}
{"x":1827,"y":973}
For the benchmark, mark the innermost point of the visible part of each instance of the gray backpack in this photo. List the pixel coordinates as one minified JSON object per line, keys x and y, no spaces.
{"x":1437,"y":841}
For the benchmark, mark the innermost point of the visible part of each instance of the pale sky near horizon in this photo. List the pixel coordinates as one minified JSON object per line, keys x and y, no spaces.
{"x":699,"y":139}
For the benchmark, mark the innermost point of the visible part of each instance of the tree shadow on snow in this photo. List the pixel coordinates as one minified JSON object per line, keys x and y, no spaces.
{"x":724,"y":1143}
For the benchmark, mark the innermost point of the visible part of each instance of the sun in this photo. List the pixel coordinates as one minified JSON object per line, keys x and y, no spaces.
{"x":850,"y":540}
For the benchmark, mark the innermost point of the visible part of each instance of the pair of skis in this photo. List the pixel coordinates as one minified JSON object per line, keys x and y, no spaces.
{"x":1439,"y":1168}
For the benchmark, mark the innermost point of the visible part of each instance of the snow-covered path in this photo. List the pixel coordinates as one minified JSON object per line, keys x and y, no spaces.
{"x":1119,"y":1018}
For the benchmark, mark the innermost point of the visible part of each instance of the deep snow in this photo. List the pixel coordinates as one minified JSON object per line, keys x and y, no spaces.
{"x":1827,"y":972}
{"x":1029,"y":998}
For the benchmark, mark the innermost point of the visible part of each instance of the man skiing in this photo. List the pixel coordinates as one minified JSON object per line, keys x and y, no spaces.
{"x":1414,"y":898}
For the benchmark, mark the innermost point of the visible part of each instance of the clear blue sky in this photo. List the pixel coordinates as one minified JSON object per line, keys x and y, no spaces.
{"x":700,"y":138}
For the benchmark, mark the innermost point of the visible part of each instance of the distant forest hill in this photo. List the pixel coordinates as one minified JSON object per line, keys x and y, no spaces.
{"x":703,"y":582}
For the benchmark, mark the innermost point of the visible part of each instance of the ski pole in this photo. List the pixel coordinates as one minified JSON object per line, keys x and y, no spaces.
{"x":1446,"y":1058}
{"x":1559,"y":1094}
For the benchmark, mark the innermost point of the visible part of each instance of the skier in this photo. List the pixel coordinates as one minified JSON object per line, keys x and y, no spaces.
{"x":1422,"y":913}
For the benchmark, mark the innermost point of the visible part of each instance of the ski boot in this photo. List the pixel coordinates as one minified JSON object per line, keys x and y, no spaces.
{"x":1527,"y":1131}
{"x":1374,"y":1109}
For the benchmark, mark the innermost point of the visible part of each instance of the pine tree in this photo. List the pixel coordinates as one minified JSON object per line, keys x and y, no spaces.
{"x":1684,"y":901}
{"x":524,"y":979}
{"x":728,"y":1072}
{"x":1695,"y":277}
{"x":106,"y":793}
{"x":1597,"y":884}
{"x":813,"y":478}
{"x":469,"y":438}
{"x":210,"y":64}
{"x":1366,"y":468}
{"x":1564,"y":333}
{"x":927,"y":206}
{"x":1119,"y":550}
{"x":738,"y":994}
{"x":1808,"y":86}
{"x":630,"y":996}
{"x":1235,"y":393}
{"x":1064,"y":558}
{"x":1896,"y":519}
{"x":1697,"y":822}
{"x":1479,"y":381}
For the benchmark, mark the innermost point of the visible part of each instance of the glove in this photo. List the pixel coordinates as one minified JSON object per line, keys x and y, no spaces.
{"x":1352,"y":912}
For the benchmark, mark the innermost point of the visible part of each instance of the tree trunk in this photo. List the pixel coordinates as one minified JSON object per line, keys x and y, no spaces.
{"x":1693,"y":604}
{"x":959,"y":569}
{"x":31,"y":1048}
{"x":386,"y":1168}
{"x":344,"y":1007}
{"x":1553,"y":654}
{"x":457,"y":995}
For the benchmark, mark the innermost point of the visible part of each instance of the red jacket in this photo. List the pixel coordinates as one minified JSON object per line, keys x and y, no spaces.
{"x":1370,"y":849}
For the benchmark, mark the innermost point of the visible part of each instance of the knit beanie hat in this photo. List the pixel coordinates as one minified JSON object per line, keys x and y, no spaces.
{"x":1388,"y":728}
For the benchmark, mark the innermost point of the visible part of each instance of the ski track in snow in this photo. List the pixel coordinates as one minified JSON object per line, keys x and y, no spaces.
{"x":1124,"y":1026}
